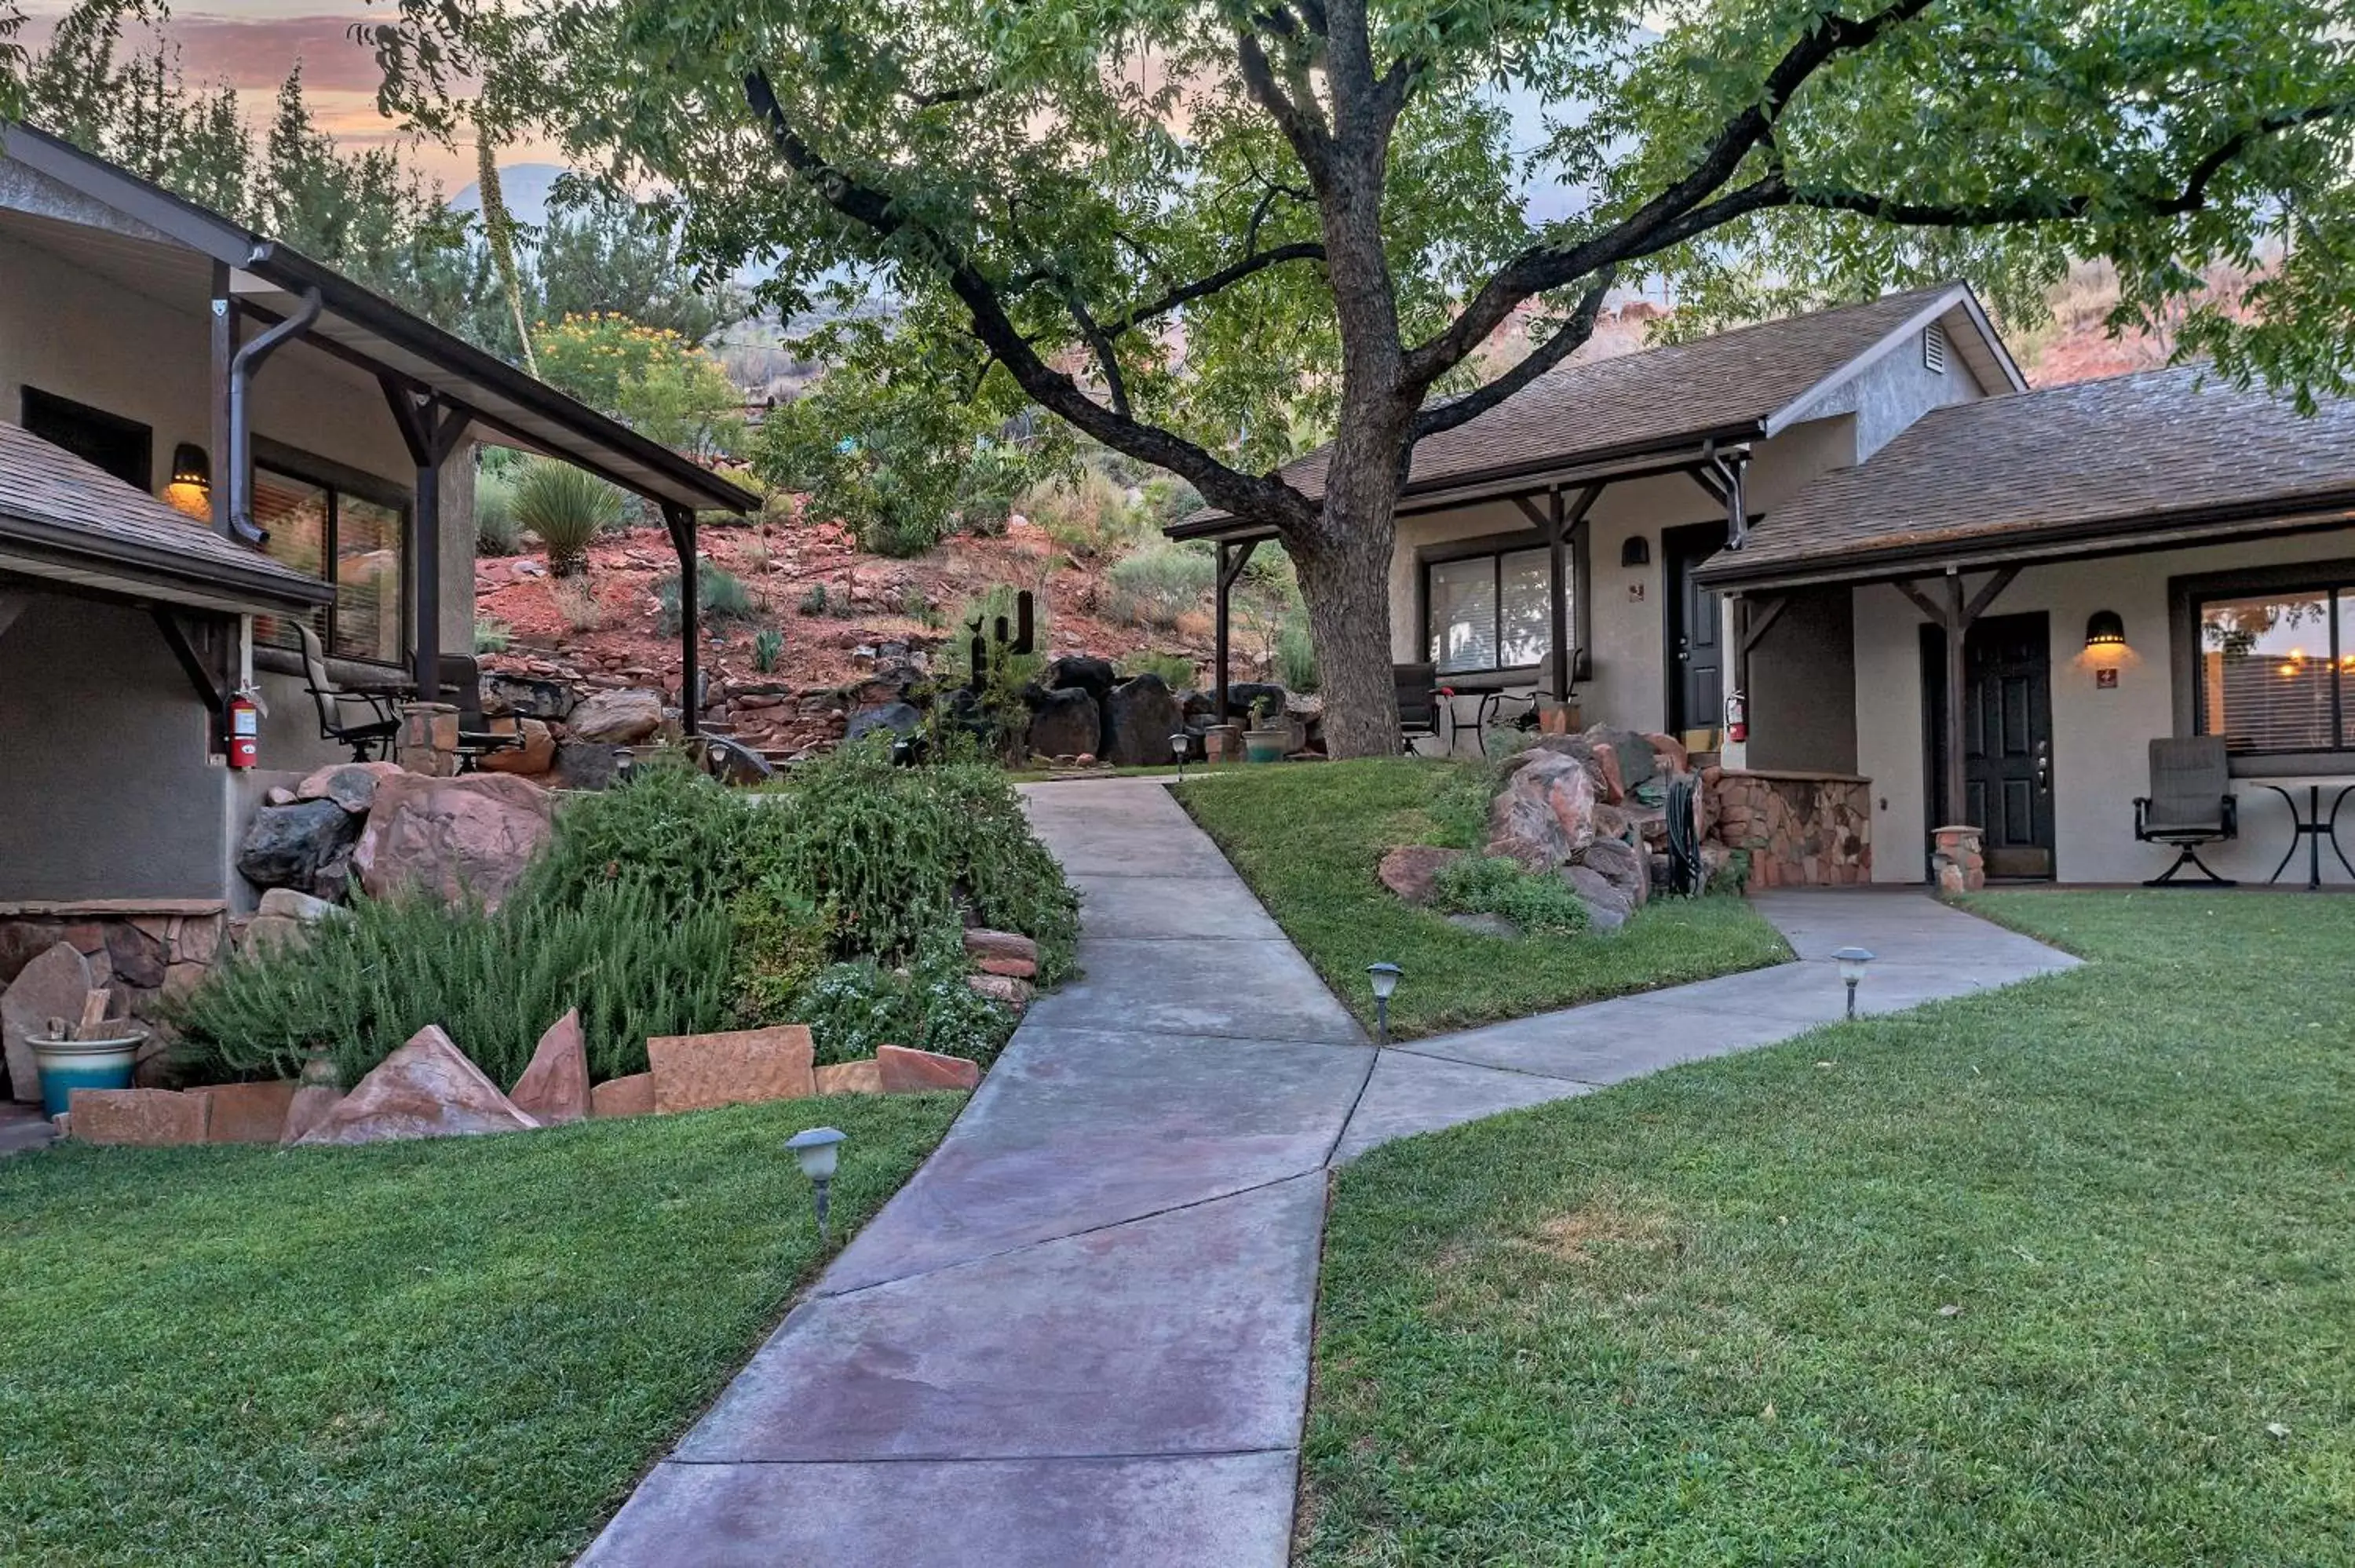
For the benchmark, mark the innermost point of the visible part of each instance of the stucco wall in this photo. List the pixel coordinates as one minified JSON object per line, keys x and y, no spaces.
{"x":1895,"y":389}
{"x":105,"y":789}
{"x":2100,"y":738}
{"x":1801,"y":668}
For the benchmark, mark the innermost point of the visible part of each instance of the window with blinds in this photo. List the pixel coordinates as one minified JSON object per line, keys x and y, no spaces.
{"x":1489,"y":613}
{"x":2275,"y":669}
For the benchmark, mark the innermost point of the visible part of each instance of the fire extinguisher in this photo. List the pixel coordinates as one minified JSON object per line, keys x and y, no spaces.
{"x":1737,"y":717}
{"x":244,"y":731}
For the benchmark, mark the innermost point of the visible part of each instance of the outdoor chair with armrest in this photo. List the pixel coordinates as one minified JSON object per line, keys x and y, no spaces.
{"x":1420,"y":700}
{"x":2190,"y":803}
{"x":365,"y":721}
{"x":479,"y":734}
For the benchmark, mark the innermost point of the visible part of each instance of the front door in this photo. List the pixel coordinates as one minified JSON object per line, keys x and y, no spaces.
{"x":2006,"y":738}
{"x":1696,"y":653}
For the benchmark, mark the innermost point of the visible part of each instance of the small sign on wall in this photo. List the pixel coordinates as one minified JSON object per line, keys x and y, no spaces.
{"x":2105,"y":680}
{"x":1635,"y":593}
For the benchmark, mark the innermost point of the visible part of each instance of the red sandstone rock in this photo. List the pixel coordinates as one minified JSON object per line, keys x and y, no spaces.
{"x":859,"y":1077}
{"x":632,"y":1095}
{"x":696,"y":1072}
{"x":537,"y":755}
{"x":903,"y":1071}
{"x":1002,"y":988}
{"x":426,"y":1089}
{"x":247,"y":1113}
{"x":1410,"y":871}
{"x":453,"y":836}
{"x":1545,"y":814}
{"x":1013,"y":945}
{"x":351,"y":785}
{"x":146,"y":1118}
{"x":555,"y":1087}
{"x":1673,"y":757}
{"x":54,"y":985}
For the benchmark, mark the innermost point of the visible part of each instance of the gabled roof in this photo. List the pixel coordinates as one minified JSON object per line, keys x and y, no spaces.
{"x":272,"y":277}
{"x":69,"y":520}
{"x":1742,"y":385}
{"x":2080,"y":469}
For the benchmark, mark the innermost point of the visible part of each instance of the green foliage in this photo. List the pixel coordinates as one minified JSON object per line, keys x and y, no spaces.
{"x":917,"y":606}
{"x":1295,"y":655}
{"x":768,"y":647}
{"x":492,"y":635}
{"x":650,"y":378}
{"x":723,"y":597}
{"x":1176,"y":670}
{"x":368,"y":980}
{"x":607,"y":255}
{"x":1087,"y":512}
{"x":1497,"y":885}
{"x":565,"y":508}
{"x":812,"y":599}
{"x":1157,"y":584}
{"x":998,"y":691}
{"x":496,"y":532}
{"x":852,"y":1008}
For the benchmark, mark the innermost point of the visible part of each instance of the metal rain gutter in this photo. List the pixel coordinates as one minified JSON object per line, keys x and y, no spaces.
{"x":249,"y":359}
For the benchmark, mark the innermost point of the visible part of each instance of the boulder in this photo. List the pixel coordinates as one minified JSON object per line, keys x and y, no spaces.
{"x":731,"y":761}
{"x":859,"y":1077}
{"x":289,"y":846}
{"x":1668,"y":753}
{"x":555,"y":1087}
{"x":1607,"y":906}
{"x":143,"y":1119}
{"x":1243,"y":695}
{"x":535,"y":755}
{"x":1143,"y":714}
{"x":426,"y":1089}
{"x":898,"y":718}
{"x":1081,"y":672}
{"x":696,"y":1072}
{"x":623,"y":718}
{"x":528,"y":696}
{"x":54,"y":985}
{"x":467,"y":835}
{"x":1411,"y":871}
{"x":268,"y":935}
{"x":138,"y":958}
{"x":1064,"y":721}
{"x":1638,"y":763}
{"x":1621,"y":864}
{"x":1545,"y":814}
{"x":316,"y":1093}
{"x":1002,"y":953}
{"x":247,"y":1113}
{"x":1007,"y":988}
{"x":586,"y":765}
{"x":351,"y":785}
{"x":632,"y":1095}
{"x":301,"y":906}
{"x":902,"y":1070}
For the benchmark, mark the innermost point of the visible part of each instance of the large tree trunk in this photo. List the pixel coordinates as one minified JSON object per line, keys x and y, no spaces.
{"x":1345,"y":579}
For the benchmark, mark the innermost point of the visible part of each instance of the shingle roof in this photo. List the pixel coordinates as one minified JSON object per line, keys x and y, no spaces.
{"x":2133,"y":453}
{"x":1726,"y":385}
{"x":52,"y":499}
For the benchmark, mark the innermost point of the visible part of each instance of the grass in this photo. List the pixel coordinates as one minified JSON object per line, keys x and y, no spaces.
{"x":1308,"y":839}
{"x":2058,"y":1273}
{"x":459,"y":1352}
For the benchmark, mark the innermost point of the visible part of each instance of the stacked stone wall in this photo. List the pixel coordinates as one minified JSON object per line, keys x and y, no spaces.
{"x":1801,"y":830}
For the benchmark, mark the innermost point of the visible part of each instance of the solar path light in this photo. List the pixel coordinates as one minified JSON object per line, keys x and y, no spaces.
{"x":816,"y":1150}
{"x":1384,"y":979}
{"x":1851,"y":962}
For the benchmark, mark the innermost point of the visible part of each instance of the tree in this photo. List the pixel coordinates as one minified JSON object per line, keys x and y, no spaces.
{"x":1324,"y":185}
{"x":656,"y":381}
{"x":607,"y":255}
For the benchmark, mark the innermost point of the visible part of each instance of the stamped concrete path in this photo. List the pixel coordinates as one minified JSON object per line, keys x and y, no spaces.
{"x":1080,"y":1336}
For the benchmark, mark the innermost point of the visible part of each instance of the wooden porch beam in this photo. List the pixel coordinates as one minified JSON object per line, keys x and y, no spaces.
{"x":1233,"y":559}
{"x":429,"y":429}
{"x":681,"y":521}
{"x":1755,"y":627}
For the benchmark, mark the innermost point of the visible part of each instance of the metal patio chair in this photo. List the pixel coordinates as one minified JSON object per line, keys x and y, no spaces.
{"x":2190,"y":803}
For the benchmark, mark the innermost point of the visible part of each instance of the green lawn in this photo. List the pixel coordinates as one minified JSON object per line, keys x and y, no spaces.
{"x":2061,"y":1274}
{"x":460,"y":1351}
{"x":1308,"y":839}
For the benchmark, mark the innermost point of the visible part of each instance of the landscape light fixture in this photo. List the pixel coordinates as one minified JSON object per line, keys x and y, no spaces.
{"x":1851,"y":970}
{"x":817,"y":1150}
{"x":2106,"y":629}
{"x":190,"y":466}
{"x":1384,"y":979}
{"x":1178,"y":748}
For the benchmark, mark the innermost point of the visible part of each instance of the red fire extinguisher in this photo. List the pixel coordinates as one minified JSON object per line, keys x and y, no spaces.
{"x":1737,"y":717}
{"x":244,"y":731}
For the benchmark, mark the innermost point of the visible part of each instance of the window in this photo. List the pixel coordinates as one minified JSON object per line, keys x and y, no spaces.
{"x":1489,"y":613}
{"x":123,"y":448}
{"x":357,"y":542}
{"x":2276,"y":668}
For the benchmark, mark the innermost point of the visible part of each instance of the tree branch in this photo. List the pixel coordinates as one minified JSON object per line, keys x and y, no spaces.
{"x":1244,"y":495}
{"x":1225,"y":277}
{"x":1544,"y":357}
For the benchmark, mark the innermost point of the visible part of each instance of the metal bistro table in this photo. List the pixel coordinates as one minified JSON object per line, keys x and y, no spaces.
{"x":2315,"y":826}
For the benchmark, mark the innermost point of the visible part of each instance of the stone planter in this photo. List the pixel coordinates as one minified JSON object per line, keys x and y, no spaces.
{"x":69,"y":1064}
{"x":1557,"y":718}
{"x":1223,"y":743}
{"x":1267,"y":744}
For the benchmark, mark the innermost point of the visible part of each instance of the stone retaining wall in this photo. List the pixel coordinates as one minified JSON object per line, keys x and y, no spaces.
{"x":142,"y":949}
{"x":1801,"y":829}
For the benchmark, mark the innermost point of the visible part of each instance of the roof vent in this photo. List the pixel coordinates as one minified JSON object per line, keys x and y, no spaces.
{"x":1934,"y":349}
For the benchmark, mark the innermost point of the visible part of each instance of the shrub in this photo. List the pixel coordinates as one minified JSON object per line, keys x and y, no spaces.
{"x":768,"y":647}
{"x":724,"y":597}
{"x":373,"y":978}
{"x":917,"y":606}
{"x":812,"y":599}
{"x":576,"y":602}
{"x":1295,"y":655}
{"x":851,"y":1007}
{"x":1174,"y":669}
{"x":496,"y":532}
{"x":1156,"y":584}
{"x":1496,"y":884}
{"x":492,"y":635}
{"x":565,"y":509}
{"x":1088,"y":514}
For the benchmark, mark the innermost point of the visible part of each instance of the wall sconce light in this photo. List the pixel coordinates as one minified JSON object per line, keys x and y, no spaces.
{"x":2104,"y":629}
{"x":190,"y":488}
{"x":1636,"y":551}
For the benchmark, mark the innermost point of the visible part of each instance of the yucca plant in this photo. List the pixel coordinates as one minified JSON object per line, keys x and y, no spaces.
{"x":565,"y":508}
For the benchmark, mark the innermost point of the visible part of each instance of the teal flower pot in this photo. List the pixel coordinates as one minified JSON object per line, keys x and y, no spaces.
{"x":1265,"y":745}
{"x":69,"y":1064}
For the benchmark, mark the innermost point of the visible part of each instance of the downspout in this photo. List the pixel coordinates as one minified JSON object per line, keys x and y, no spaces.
{"x":240,"y":458}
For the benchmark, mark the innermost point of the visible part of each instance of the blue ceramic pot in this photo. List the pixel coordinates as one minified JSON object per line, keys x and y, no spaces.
{"x":69,"y":1064}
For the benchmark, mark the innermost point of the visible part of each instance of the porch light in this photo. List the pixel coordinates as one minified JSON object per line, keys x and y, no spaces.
{"x":1636,"y":551}
{"x":190,"y":466}
{"x":1384,"y":979}
{"x":817,"y":1151}
{"x":1851,"y":961}
{"x":2106,"y":629}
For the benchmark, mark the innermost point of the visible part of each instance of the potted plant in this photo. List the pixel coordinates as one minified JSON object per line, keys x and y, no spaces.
{"x":103,"y":1060}
{"x":1270,"y":736}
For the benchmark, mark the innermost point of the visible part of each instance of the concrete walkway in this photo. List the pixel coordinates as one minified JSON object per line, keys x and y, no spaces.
{"x":1080,"y":1336}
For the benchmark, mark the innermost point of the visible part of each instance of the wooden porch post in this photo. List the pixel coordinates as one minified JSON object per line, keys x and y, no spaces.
{"x":1956,"y":617}
{"x":1558,"y":524}
{"x":681,"y":521}
{"x":1232,"y":559}
{"x":224,"y":349}
{"x":430,"y":428}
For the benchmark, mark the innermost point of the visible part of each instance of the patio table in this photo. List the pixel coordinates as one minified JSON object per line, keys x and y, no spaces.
{"x":2315,"y":826}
